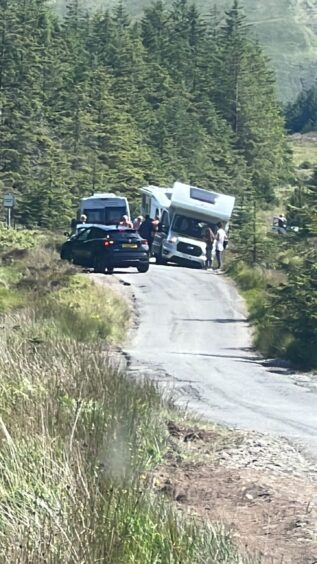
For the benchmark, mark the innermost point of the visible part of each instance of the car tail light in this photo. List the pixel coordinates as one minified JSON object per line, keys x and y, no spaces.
{"x":107,"y":243}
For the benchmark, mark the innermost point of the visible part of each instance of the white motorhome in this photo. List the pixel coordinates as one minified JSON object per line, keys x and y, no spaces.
{"x":189,"y":211}
{"x":104,"y":208}
{"x":154,"y":200}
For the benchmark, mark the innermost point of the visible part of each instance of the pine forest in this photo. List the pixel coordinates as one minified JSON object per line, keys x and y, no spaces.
{"x":101,"y":102}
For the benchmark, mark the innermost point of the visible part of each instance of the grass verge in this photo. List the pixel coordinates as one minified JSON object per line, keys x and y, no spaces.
{"x":78,"y":437}
{"x":253,"y":283}
{"x":283,"y":323}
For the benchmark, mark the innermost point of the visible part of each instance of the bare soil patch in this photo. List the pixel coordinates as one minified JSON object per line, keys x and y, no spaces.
{"x":262,"y":489}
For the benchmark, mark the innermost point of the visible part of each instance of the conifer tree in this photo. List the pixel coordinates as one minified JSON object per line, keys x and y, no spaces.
{"x":301,"y":115}
{"x":247,"y":100}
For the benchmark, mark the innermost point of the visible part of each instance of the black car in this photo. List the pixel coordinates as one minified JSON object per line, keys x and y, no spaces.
{"x":107,"y":247}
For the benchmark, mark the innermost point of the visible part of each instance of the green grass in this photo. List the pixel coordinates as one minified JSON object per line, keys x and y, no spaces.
{"x":79,"y":438}
{"x":304,"y":151}
{"x":68,"y":304}
{"x":12,"y":239}
{"x":278,"y":332}
{"x":104,"y":314}
{"x":14,"y":245}
{"x":254,"y":283}
{"x":10,"y":299}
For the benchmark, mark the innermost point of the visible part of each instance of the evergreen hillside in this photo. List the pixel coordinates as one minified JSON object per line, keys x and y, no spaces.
{"x":100,"y":103}
{"x":287,"y":29}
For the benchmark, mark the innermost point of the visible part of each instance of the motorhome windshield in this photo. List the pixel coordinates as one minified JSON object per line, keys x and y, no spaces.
{"x":106,"y":216}
{"x":188,"y":226}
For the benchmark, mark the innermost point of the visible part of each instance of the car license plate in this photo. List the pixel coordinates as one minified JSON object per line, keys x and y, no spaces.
{"x":130,"y":246}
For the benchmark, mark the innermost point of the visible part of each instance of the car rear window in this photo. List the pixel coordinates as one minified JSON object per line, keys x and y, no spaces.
{"x":119,"y":235}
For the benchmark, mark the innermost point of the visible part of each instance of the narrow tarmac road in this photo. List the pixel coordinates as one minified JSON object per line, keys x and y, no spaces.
{"x":192,"y":337}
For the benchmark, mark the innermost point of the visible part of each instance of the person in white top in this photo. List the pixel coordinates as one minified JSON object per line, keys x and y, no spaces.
{"x":221,"y":239}
{"x":137,"y":222}
{"x":125,"y":222}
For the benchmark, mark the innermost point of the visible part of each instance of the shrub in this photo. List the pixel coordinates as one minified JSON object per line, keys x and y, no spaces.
{"x":11,"y":239}
{"x":306,"y":165}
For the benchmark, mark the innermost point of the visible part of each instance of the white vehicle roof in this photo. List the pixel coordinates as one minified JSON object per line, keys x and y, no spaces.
{"x":103,"y":195}
{"x":200,"y":203}
{"x":100,"y":200}
{"x":161,"y":195}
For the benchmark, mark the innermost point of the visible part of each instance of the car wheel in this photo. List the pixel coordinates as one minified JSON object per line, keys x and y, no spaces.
{"x":143,"y":267}
{"x":99,"y":266}
{"x":159,"y":259}
{"x":75,"y":261}
{"x":110,"y":269}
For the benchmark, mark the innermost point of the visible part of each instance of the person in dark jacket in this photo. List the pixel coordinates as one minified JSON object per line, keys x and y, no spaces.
{"x":146,"y":230}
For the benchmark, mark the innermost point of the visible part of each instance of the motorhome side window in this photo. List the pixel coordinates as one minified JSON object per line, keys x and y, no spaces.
{"x":146,"y":204}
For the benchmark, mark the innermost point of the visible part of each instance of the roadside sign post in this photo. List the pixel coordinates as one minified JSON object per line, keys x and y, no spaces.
{"x":9,"y":202}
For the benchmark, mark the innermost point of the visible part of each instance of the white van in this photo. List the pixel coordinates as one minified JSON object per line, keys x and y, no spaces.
{"x":104,"y":208}
{"x":189,"y":211}
{"x":154,"y":200}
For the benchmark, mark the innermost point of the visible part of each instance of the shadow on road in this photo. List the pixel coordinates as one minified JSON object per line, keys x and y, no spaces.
{"x":248,"y":359}
{"x":217,"y":320}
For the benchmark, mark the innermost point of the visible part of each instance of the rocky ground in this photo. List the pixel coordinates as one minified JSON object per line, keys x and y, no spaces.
{"x":261,"y":488}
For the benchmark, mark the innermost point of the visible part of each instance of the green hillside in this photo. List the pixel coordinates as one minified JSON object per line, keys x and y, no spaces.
{"x":286,"y":28}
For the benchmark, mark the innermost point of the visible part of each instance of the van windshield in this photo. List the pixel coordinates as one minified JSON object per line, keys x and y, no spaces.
{"x":188,"y":226}
{"x":106,"y":216}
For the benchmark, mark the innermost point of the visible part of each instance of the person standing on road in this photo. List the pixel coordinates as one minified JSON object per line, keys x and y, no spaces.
{"x":155,"y":226}
{"x":146,"y":230}
{"x":221,"y":238}
{"x":209,"y":238}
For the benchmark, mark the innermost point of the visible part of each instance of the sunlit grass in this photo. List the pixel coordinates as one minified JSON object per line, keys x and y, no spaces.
{"x":79,"y":437}
{"x":304,"y":151}
{"x":77,"y":440}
